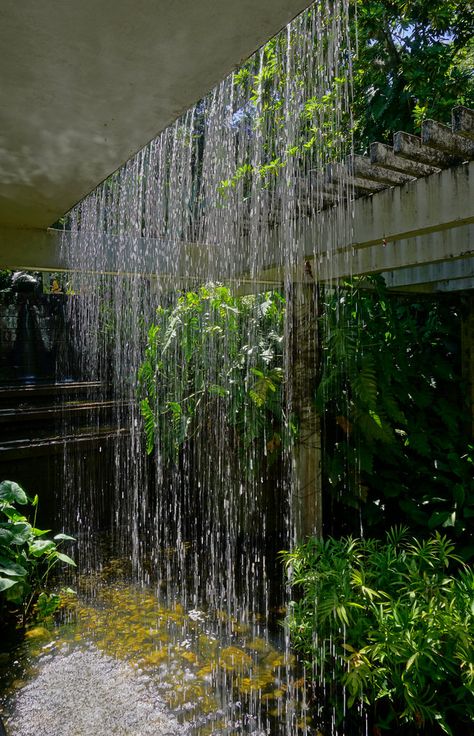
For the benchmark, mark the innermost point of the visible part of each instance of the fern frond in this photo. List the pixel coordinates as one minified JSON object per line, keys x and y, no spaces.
{"x":364,"y":385}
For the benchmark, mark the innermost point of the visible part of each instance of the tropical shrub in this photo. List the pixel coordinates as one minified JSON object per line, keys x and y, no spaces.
{"x":27,"y":556}
{"x":387,"y":628}
{"x":213,"y":351}
{"x":395,"y":413}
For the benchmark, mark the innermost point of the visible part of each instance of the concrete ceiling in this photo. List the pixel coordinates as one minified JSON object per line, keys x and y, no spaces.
{"x":87,"y":83}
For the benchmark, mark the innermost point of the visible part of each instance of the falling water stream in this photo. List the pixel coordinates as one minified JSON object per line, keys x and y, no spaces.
{"x":177,"y":608}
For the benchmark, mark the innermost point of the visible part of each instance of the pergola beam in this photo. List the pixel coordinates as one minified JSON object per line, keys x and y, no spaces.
{"x":425,"y":221}
{"x":443,"y":245}
{"x":431,"y":274}
{"x":463,"y":121}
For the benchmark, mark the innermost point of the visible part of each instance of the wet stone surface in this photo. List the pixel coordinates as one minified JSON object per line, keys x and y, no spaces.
{"x":88,"y":692}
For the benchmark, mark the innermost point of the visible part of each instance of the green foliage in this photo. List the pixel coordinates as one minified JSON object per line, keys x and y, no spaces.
{"x":210,"y":353}
{"x":411,"y":60}
{"x":415,"y":60}
{"x":393,"y":624}
{"x":271,"y":85}
{"x":394,"y":410}
{"x":5,"y":279}
{"x":26,"y":555}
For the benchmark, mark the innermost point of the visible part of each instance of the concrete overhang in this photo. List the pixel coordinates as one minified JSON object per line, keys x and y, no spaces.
{"x":86,"y":84}
{"x":424,"y":230}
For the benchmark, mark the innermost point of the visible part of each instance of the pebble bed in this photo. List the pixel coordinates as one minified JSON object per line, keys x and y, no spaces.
{"x":83,"y":692}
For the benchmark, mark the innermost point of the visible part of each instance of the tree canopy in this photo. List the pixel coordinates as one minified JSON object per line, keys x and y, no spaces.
{"x":414,"y":60}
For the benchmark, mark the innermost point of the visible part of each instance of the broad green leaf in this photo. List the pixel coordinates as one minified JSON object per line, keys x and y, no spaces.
{"x":64,"y":536}
{"x":18,"y":592}
{"x":12,"y":514}
{"x":21,"y":532}
{"x":41,"y":547}
{"x":438,"y":518}
{"x":459,"y":494}
{"x":12,"y":492}
{"x":8,"y":567}
{"x":6,"y":537}
{"x":6,"y":583}
{"x":65,"y":558}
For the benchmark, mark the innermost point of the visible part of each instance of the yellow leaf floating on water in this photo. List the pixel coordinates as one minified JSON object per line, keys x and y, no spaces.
{"x":155,"y":658}
{"x":232,"y":657}
{"x":189,"y":657}
{"x":252,"y":684}
{"x":38,"y":632}
{"x":259,"y":645}
{"x":238,"y":628}
{"x":207,"y":670}
{"x":275,"y":659}
{"x":207,"y":647}
{"x":277,"y":694}
{"x":132,"y":625}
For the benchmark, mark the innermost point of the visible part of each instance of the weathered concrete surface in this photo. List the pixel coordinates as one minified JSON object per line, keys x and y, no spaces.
{"x":433,"y":276}
{"x":84,"y":85}
{"x":436,"y":247}
{"x":422,"y":206}
{"x":30,"y":249}
{"x":426,"y":221}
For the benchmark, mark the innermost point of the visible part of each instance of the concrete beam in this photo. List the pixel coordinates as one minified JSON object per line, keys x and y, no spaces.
{"x":30,"y":250}
{"x":432,"y":274}
{"x":443,"y":245}
{"x":432,"y":248}
{"x":385,"y":156}
{"x":442,"y":137}
{"x":365,"y":168}
{"x":454,"y":285}
{"x":424,"y":221}
{"x":41,"y":250}
{"x":412,"y":147}
{"x":437,"y":202}
{"x":463,"y":121}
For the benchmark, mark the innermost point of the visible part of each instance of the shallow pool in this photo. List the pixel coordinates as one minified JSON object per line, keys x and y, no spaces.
{"x":117,"y":661}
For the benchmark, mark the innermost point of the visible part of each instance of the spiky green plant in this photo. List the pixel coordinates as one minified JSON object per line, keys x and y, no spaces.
{"x":392,"y":624}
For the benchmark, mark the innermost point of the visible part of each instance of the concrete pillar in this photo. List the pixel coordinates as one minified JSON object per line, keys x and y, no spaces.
{"x":307,"y":491}
{"x":467,"y":346}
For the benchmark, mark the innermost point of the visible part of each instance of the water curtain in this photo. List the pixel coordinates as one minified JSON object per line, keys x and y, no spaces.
{"x":230,"y":202}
